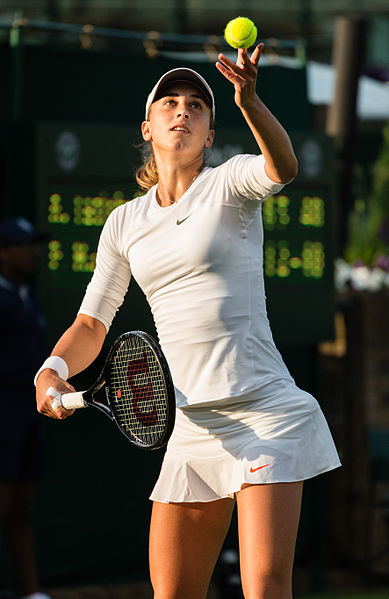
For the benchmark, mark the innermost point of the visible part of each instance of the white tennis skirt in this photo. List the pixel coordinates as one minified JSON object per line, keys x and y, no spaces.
{"x":214,"y":450}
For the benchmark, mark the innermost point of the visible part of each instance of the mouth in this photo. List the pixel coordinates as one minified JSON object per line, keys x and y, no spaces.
{"x":180,"y":128}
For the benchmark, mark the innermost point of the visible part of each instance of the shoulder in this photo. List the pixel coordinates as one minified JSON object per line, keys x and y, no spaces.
{"x":245,"y":176}
{"x":122,"y":214}
{"x":238,"y":160}
{"x":122,"y":220}
{"x":242,"y":162}
{"x":228,"y":167}
{"x":237,"y":166}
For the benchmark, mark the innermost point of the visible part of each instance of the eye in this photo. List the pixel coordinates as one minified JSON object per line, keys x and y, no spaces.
{"x":196,"y":105}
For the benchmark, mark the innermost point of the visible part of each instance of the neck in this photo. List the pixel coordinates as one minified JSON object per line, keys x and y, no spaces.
{"x":173,"y":182}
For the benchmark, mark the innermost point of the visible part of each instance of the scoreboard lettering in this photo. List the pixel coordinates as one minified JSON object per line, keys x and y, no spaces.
{"x":66,"y":218}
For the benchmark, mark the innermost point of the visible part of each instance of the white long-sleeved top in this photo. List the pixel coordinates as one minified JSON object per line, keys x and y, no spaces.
{"x":199,"y":263}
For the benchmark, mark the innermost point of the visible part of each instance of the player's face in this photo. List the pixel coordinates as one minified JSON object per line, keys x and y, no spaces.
{"x":179,"y":121}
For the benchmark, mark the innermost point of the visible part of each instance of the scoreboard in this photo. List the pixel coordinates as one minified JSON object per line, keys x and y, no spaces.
{"x":300,"y":258}
{"x":84,"y":171}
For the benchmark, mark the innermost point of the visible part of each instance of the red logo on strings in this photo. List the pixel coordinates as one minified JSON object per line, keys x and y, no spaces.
{"x":141,"y":392}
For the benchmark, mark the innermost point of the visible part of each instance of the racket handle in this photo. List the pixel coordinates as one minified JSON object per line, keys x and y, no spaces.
{"x":73,"y":401}
{"x":70,"y":401}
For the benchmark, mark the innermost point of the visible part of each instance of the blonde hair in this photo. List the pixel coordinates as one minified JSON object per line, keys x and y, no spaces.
{"x":147,"y":174}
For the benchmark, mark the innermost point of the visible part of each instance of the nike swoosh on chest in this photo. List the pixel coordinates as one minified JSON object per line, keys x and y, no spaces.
{"x":180,"y":220}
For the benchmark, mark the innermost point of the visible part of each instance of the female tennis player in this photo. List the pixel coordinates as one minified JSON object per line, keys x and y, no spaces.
{"x":245,"y":433}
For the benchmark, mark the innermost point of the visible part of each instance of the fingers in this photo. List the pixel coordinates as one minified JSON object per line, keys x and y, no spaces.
{"x":49,"y":390}
{"x":53,"y":403}
{"x":228,"y":65}
{"x":242,"y":74}
{"x":57,"y":402}
{"x":244,"y":71}
{"x":54,"y":407}
{"x":243,"y":60}
{"x":257,"y":53}
{"x":228,"y":72}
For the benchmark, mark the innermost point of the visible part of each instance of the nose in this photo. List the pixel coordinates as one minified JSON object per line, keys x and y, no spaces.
{"x":182,"y":111}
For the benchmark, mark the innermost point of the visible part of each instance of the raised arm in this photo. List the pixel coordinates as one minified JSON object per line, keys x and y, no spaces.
{"x":271,"y":137}
{"x":78,"y":347}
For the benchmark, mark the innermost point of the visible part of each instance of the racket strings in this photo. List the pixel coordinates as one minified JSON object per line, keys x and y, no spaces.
{"x":138,"y":394}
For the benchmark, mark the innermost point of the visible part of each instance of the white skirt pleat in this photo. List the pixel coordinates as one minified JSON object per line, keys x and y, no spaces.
{"x":214,"y":450}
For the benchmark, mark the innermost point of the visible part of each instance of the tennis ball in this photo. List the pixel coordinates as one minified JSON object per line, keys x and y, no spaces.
{"x":240,"y":32}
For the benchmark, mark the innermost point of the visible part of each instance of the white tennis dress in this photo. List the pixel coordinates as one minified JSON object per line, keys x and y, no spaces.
{"x":240,"y":416}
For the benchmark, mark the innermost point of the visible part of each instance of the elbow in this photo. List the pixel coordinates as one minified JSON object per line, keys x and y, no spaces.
{"x":295,"y":167}
{"x":284,"y":171}
{"x":289,"y":172}
{"x":94,"y":326}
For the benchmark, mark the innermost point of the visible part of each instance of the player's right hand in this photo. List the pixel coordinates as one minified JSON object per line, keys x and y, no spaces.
{"x":47,"y":384}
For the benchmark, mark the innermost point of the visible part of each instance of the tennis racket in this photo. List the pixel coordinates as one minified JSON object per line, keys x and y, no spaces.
{"x":138,"y":389}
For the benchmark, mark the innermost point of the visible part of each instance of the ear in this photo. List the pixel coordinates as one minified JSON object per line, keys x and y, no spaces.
{"x":146,"y":130}
{"x":210,"y":138}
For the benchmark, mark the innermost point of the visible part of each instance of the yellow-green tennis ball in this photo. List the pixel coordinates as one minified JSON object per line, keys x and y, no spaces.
{"x":240,"y":32}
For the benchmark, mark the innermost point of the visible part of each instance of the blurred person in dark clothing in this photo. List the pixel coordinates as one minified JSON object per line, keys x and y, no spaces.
{"x":22,"y":349}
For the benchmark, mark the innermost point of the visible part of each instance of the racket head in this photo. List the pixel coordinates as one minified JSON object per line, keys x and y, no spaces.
{"x":139,"y":390}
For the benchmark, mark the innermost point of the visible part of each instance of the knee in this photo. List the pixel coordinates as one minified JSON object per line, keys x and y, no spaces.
{"x":272,"y":583}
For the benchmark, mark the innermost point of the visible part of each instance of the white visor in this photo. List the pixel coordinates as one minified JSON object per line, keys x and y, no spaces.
{"x":182,"y":74}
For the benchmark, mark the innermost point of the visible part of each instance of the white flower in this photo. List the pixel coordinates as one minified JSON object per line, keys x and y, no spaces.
{"x":360,"y":278}
{"x":342,"y":274}
{"x":367,"y":279}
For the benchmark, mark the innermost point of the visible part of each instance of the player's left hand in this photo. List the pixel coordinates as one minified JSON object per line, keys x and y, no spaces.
{"x":242,"y":74}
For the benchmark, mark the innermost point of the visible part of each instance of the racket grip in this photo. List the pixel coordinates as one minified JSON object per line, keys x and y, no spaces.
{"x":73,"y":401}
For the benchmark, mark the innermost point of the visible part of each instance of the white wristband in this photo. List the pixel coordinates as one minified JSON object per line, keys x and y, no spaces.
{"x":54,"y":363}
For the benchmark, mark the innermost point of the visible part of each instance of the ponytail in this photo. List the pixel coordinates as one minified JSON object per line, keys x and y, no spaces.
{"x":147,"y":174}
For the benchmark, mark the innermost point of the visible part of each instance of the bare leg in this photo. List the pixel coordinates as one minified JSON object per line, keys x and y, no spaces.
{"x":268,"y":517}
{"x":185,"y":541}
{"x":16,"y":508}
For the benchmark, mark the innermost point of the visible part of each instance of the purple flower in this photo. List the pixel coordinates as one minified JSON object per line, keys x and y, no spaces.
{"x":382,"y":262}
